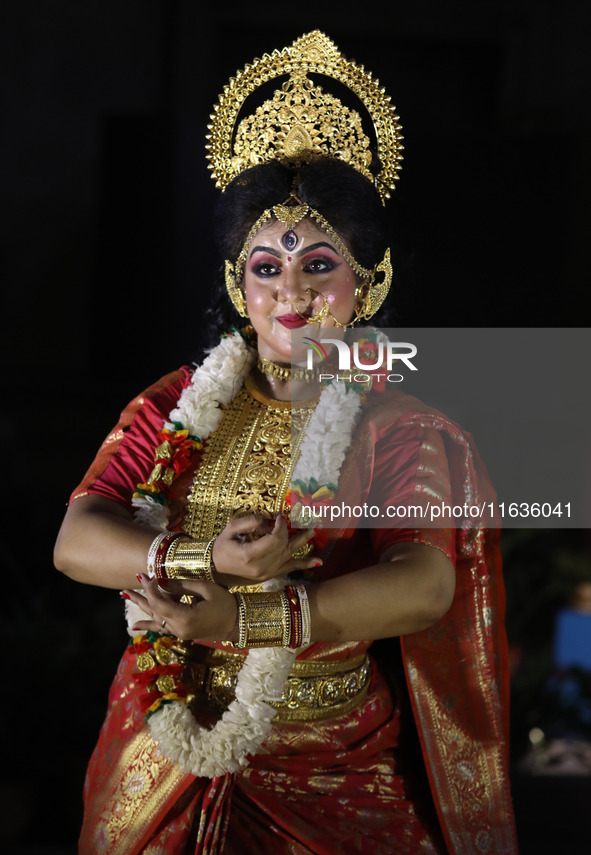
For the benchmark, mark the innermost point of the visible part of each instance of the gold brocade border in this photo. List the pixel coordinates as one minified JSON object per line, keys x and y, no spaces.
{"x":459,"y":712}
{"x":468,"y":768}
{"x":464,"y":773}
{"x":140,"y":784}
{"x":466,"y":751}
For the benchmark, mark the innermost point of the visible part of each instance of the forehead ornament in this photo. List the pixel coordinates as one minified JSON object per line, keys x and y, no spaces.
{"x":289,"y":240}
{"x":290,"y":215}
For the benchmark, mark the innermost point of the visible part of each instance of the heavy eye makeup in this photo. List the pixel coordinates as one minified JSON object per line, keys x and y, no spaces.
{"x":266,"y":266}
{"x":318,"y":264}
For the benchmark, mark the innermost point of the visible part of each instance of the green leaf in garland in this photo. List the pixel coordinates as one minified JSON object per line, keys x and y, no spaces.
{"x":157,"y":497}
{"x":162,"y":702}
{"x":311,"y":486}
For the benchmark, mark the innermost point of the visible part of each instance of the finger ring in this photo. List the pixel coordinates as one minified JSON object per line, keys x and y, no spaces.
{"x":302,"y":551}
{"x":163,"y":623}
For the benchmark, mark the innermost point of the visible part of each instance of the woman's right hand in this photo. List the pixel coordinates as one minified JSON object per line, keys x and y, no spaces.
{"x":212,"y":614}
{"x":252,"y":549}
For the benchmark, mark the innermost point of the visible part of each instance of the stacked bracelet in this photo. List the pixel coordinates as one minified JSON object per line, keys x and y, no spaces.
{"x":274,"y":618}
{"x":158,"y":551}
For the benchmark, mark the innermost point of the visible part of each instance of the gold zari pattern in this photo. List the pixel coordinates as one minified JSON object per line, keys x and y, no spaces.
{"x":140,"y":780}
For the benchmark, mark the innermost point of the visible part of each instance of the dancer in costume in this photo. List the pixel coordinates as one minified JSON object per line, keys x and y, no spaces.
{"x":249,"y":713}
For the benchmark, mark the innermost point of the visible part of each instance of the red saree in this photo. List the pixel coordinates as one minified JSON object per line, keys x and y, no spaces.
{"x":342,"y":785}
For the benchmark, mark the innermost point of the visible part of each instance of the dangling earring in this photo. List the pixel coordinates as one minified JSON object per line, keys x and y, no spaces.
{"x":371,"y":294}
{"x":234,"y":291}
{"x":362,"y":300}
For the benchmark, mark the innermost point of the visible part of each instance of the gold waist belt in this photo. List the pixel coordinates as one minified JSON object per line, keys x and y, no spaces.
{"x":314,"y":691}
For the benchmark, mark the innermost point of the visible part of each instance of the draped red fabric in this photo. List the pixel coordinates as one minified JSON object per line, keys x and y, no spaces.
{"x":343,"y":785}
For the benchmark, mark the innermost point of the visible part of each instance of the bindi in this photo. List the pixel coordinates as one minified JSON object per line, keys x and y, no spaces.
{"x":289,"y":240}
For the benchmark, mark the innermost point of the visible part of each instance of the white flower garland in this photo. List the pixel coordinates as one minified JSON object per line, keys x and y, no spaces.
{"x":247,"y":721}
{"x":243,"y":726}
{"x":328,"y":436}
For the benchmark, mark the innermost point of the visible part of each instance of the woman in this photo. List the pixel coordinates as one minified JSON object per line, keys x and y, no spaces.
{"x":226,"y":743}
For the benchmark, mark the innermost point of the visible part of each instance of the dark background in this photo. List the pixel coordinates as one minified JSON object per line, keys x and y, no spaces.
{"x":107,"y":263}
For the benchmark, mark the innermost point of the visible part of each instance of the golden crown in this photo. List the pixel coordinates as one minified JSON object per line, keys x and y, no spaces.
{"x":301,"y":122}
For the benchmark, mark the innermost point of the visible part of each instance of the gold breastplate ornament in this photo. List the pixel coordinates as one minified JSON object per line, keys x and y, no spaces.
{"x":247,"y":463}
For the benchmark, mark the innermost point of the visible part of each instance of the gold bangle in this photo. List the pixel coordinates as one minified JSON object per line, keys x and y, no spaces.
{"x":264,"y":619}
{"x":242,"y":628}
{"x":190,"y":559}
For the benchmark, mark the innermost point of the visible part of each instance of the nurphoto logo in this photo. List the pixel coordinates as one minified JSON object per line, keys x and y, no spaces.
{"x":363,"y":355}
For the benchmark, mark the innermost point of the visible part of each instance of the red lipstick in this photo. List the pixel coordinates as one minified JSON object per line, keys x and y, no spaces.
{"x":292,"y":321}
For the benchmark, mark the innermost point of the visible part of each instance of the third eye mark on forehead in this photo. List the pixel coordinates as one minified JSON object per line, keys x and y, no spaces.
{"x":300,"y":252}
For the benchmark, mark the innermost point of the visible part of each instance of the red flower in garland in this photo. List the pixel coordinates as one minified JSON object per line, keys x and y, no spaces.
{"x":171,"y":458}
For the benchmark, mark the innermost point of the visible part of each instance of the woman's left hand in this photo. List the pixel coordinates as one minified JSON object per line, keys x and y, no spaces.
{"x":211,"y":616}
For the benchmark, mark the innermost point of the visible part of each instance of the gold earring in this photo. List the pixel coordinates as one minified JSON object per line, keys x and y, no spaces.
{"x":234,"y":291}
{"x":372,"y":294}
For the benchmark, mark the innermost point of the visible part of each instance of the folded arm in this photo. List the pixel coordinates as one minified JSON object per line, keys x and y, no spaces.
{"x":409,"y":591}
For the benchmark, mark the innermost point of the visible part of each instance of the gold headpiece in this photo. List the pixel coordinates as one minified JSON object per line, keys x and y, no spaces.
{"x":301,"y":122}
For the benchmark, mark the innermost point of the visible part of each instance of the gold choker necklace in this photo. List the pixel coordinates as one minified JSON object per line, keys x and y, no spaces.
{"x":285,"y":372}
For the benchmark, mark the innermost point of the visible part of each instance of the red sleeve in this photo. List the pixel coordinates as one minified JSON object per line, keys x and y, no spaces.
{"x":411,"y":469}
{"x":126,"y":457}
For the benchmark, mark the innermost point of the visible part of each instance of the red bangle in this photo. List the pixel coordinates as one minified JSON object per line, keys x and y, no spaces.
{"x":163,"y":547}
{"x":295,"y":635}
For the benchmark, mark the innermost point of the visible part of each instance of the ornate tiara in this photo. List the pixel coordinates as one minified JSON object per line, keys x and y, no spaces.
{"x":301,"y":122}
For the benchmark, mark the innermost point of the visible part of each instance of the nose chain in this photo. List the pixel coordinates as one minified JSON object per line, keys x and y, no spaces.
{"x":326,"y":312}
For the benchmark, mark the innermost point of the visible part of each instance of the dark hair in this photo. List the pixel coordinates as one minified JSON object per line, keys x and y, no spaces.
{"x":344,"y":197}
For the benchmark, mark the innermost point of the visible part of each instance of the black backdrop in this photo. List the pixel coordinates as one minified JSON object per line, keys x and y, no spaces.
{"x":107,"y":262}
